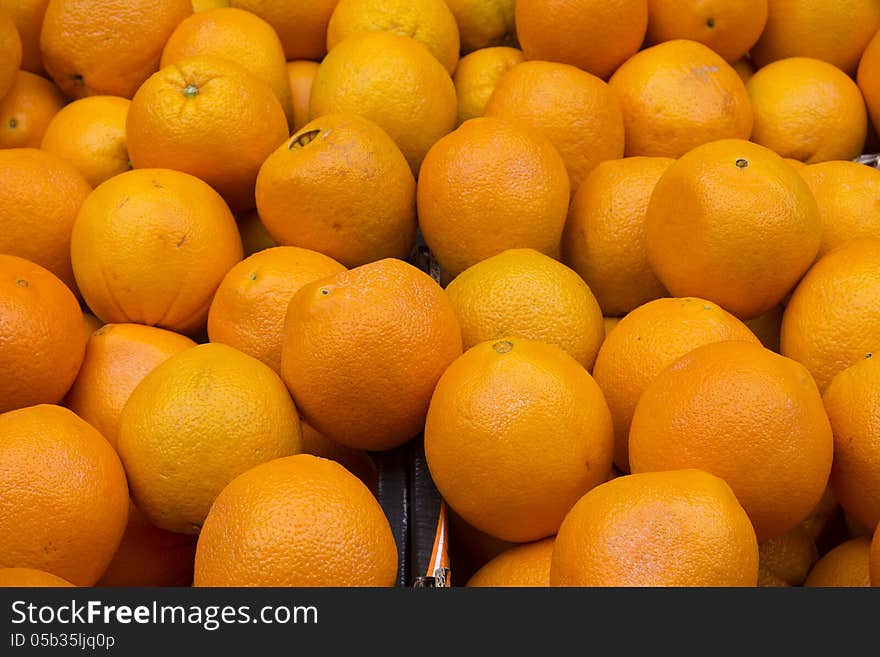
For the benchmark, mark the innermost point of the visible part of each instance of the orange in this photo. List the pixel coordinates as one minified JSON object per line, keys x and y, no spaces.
{"x":852,"y":401}
{"x":363,"y":350}
{"x":151,"y":246}
{"x":484,"y":23}
{"x":355,"y":193}
{"x":678,"y":95}
{"x":106,"y":47}
{"x":254,"y":236}
{"x":796,"y":164}
{"x":767,"y":327}
{"x":236,"y":35}
{"x":297,"y":521}
{"x":63,"y":494}
{"x":149,"y":556}
{"x":356,"y":461}
{"x":90,"y":134}
{"x":875,"y":559}
{"x":206,"y":5}
{"x":39,"y":200}
{"x":118,"y":357}
{"x":28,"y":18}
{"x":393,"y":81}
{"x":847,"y":565}
{"x":744,"y":68}
{"x":427,"y":21}
{"x":10,"y":46}
{"x":42,"y":335}
{"x":196,"y":422}
{"x":604,"y":238}
{"x":747,"y":415}
{"x":682,"y":528}
{"x":595,"y":35}
{"x":301,"y":25}
{"x":300,"y":76}
{"x":836,"y":31}
{"x":786,"y":560}
{"x":27,"y":109}
{"x":30,"y":578}
{"x":523,"y":565}
{"x":848,"y":196}
{"x":732,"y":223}
{"x":477,"y":75}
{"x":822,"y":516}
{"x":610,"y":324}
{"x":209,"y":117}
{"x":576,"y":111}
{"x":490,"y":186}
{"x":92,"y":324}
{"x":516,"y":433}
{"x":868,"y":79}
{"x":833,"y":318}
{"x":526,"y":294}
{"x":249,"y":306}
{"x":808,"y":110}
{"x":729,"y":27}
{"x":647,"y":340}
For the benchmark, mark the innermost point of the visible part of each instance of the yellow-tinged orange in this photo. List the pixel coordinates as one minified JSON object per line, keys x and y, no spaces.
{"x":833,"y":318}
{"x":525,"y":294}
{"x":578,"y":112}
{"x":90,"y":134}
{"x":30,"y":578}
{"x":63,"y":494}
{"x":522,"y":565}
{"x":195,"y":423}
{"x":595,"y":35}
{"x":106,"y":47}
{"x":363,"y":350}
{"x":208,"y":117}
{"x":868,"y":78}
{"x":117,"y":358}
{"x":747,"y":415}
{"x":605,"y":233}
{"x":732,"y":223}
{"x":808,"y":110}
{"x":28,"y":18}
{"x":393,"y":81}
{"x":40,"y":197}
{"x":150,"y":246}
{"x":26,"y":110}
{"x":678,"y":95}
{"x":744,"y":68}
{"x":249,"y":306}
{"x":646,"y":341}
{"x":301,"y":25}
{"x":477,"y":75}
{"x":848,"y":565}
{"x":680,"y":528}
{"x":254,"y":236}
{"x":42,"y":335}
{"x":356,"y":461}
{"x":10,"y":46}
{"x":355,"y":193}
{"x":484,"y":23}
{"x":490,"y":186}
{"x":516,"y":433}
{"x":300,"y":76}
{"x":786,"y":560}
{"x":297,"y":521}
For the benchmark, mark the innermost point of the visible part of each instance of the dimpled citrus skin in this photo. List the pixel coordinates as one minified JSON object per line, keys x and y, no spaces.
{"x":363,"y":350}
{"x":150,"y":246}
{"x":848,"y":565}
{"x":30,"y":578}
{"x":678,"y":95}
{"x":42,"y":335}
{"x":301,"y":25}
{"x":490,"y":186}
{"x":28,"y":18}
{"x":679,"y":528}
{"x":355,"y":193}
{"x":522,"y":565}
{"x":118,"y":357}
{"x":10,"y":46}
{"x":63,"y":494}
{"x":296,"y":521}
{"x":578,"y":112}
{"x":833,"y":317}
{"x":852,"y":401}
{"x":39,"y":200}
{"x":196,"y":422}
{"x":94,"y":47}
{"x":868,"y":78}
{"x":747,"y":415}
{"x":647,"y":340}
{"x":393,"y":81}
{"x":526,"y":294}
{"x":484,"y":23}
{"x":477,"y":75}
{"x":786,"y":560}
{"x":516,"y":433}
{"x":732,"y":223}
{"x":26,"y":110}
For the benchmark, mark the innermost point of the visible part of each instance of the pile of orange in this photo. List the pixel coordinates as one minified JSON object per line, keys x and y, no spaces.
{"x":645,"y":350}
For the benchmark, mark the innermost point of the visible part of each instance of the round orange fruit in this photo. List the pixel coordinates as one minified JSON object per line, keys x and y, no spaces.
{"x":786,"y":560}
{"x":868,"y":78}
{"x":848,"y":565}
{"x":678,"y":528}
{"x":363,"y":350}
{"x":254,"y":236}
{"x":477,"y":75}
{"x":30,"y":578}
{"x":10,"y":46}
{"x":768,"y":327}
{"x":26,"y":110}
{"x":28,"y":18}
{"x":517,"y":431}
{"x":300,"y":75}
{"x":356,"y":461}
{"x":522,"y":565}
{"x":301,"y":25}
{"x":484,"y":23}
